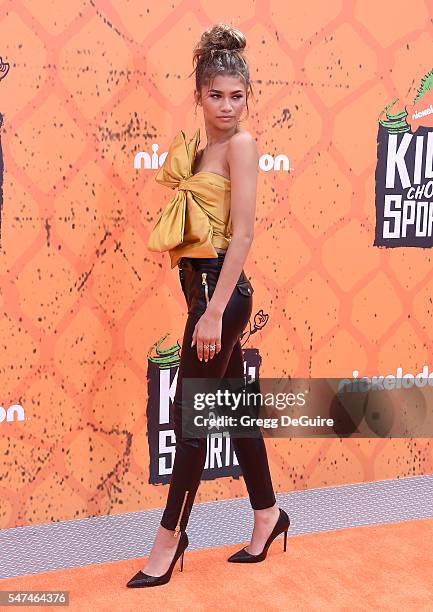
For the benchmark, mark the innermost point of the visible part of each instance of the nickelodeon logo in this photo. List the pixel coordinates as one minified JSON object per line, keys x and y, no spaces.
{"x":13,"y":413}
{"x":153,"y":161}
{"x":423,"y":113}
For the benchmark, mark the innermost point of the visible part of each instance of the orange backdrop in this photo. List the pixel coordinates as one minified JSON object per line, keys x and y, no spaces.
{"x":91,"y":85}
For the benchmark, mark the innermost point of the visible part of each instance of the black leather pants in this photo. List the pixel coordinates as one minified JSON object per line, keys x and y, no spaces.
{"x":198,"y":277}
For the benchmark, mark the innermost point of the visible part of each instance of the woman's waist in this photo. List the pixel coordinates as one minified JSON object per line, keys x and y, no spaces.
{"x":201,"y":263}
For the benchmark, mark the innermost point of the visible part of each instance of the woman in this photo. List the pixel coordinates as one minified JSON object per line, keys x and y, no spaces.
{"x":208,"y":230}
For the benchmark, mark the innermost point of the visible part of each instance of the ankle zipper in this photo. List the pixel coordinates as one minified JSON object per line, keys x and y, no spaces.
{"x":177,"y":528}
{"x":206,"y":288}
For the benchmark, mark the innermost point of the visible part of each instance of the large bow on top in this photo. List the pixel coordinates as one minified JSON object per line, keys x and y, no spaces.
{"x":183,"y":221}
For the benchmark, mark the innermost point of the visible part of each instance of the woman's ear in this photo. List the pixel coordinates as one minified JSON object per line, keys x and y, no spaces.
{"x":197,"y":97}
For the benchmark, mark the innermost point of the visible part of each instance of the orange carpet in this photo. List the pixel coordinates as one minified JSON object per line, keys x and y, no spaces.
{"x":365,"y":568}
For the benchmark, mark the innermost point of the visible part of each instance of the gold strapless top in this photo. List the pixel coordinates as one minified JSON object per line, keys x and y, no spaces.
{"x":197,"y":219}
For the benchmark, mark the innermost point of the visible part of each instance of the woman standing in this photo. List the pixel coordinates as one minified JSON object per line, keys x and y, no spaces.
{"x":207,"y":228}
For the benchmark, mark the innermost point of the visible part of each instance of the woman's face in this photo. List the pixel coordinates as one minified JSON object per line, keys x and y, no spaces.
{"x":223,"y":101}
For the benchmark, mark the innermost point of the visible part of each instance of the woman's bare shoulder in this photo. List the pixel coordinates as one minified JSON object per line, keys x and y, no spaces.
{"x":242,"y":143}
{"x":242,"y":136}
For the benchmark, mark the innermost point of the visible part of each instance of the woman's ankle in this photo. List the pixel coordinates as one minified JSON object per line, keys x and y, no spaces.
{"x":266,"y":513}
{"x":166,"y":536}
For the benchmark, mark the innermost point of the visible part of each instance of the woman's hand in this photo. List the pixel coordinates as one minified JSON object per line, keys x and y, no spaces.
{"x":207,"y":332}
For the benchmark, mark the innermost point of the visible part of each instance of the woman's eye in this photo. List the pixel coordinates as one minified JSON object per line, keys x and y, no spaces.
{"x":217,"y":96}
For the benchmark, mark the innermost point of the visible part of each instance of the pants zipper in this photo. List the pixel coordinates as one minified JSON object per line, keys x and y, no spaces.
{"x":206,"y":288}
{"x":177,"y":528}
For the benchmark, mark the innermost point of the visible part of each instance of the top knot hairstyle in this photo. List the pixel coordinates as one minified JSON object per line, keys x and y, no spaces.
{"x":220,"y":51}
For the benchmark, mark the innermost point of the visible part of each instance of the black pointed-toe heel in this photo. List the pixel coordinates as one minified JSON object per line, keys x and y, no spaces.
{"x":145,"y":580}
{"x":282,"y":524}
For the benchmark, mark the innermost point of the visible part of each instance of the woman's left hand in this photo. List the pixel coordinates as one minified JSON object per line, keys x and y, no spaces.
{"x":207,"y":331}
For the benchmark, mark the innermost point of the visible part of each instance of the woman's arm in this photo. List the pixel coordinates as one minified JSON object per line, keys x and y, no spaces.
{"x":242,"y":157}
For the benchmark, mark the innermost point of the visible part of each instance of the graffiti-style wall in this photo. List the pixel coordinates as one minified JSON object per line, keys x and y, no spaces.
{"x":91,"y":94}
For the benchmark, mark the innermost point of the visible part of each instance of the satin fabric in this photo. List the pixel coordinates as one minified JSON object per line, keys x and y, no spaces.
{"x":197,"y":218}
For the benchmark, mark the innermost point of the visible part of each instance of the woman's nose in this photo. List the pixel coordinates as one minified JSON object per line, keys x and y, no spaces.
{"x":227,"y":106}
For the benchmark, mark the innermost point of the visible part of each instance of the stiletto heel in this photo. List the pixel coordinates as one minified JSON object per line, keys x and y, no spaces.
{"x":282,"y":524}
{"x":145,"y":580}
